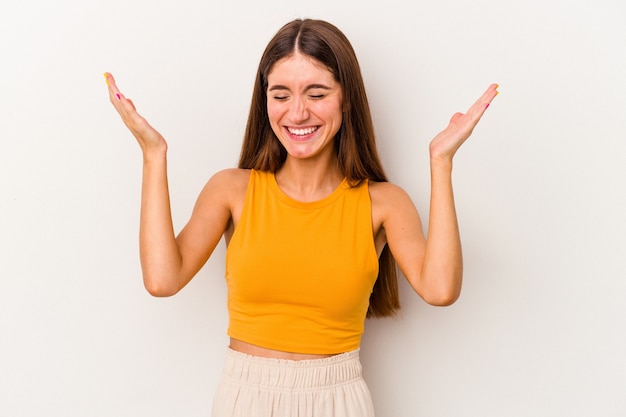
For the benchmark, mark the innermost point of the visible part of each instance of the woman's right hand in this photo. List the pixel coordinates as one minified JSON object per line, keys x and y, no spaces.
{"x":148,"y":138}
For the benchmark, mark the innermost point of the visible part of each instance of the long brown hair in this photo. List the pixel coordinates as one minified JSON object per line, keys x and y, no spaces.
{"x":355,"y":142}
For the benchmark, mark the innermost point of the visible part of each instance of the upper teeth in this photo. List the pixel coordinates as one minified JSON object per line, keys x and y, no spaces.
{"x":306,"y":131}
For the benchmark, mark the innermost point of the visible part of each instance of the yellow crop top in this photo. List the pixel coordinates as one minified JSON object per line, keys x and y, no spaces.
{"x":300,"y":274}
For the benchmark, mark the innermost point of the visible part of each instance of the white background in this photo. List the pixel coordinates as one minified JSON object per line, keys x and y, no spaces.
{"x":540,"y":329}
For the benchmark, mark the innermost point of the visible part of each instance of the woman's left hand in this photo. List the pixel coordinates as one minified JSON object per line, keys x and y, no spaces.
{"x":448,"y":141}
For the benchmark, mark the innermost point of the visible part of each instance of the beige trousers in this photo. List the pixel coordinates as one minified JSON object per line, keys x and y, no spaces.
{"x":252,"y":386}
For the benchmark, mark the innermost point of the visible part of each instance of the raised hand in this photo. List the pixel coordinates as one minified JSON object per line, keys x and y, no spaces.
{"x":148,"y":138}
{"x":449,"y":140}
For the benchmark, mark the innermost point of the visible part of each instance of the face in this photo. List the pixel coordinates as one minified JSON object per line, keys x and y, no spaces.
{"x":304,"y":105}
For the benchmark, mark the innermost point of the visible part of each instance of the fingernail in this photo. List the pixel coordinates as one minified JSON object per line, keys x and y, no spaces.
{"x":106,"y":79}
{"x":118,"y":96}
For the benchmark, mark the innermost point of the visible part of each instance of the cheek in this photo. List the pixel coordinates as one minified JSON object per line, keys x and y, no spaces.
{"x":273,"y":114}
{"x":274,"y":118}
{"x":330,"y":110}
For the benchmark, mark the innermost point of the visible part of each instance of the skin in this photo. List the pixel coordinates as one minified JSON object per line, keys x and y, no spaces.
{"x":303,"y":97}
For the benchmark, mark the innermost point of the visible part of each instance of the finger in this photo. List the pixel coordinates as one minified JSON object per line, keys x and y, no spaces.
{"x":488,"y":96}
{"x":130,"y":103}
{"x":456,"y":118}
{"x":112,"y":88}
{"x":482,"y":104}
{"x":114,"y":91}
{"x":122,"y":104}
{"x":110,"y":80}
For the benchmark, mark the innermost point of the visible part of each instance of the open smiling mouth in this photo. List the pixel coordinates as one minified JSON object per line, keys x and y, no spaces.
{"x":302,"y":132}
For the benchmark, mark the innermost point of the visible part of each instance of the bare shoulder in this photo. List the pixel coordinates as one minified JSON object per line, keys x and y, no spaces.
{"x":392,"y":211}
{"x":225,"y":188}
{"x":216,"y":208}
{"x":390,"y":204}
{"x":385,"y":195}
{"x":231,"y":178}
{"x":228,"y":188}
{"x":229,"y":183}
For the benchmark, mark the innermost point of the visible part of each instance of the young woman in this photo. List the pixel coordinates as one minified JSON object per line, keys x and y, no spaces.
{"x":312,"y":229}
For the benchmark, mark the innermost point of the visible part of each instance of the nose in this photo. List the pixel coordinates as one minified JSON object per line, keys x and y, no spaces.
{"x":298,"y":110}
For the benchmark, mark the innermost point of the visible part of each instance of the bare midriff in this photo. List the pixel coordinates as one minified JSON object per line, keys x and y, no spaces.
{"x":254,"y":350}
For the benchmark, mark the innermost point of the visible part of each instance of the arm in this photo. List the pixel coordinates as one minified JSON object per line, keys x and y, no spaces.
{"x":168,"y":263}
{"x":434,"y":266}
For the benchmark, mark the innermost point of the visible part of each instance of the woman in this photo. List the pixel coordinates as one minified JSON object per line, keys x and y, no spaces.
{"x":312,"y":228}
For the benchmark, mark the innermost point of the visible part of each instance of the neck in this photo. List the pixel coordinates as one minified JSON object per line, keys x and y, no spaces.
{"x":306,"y":180}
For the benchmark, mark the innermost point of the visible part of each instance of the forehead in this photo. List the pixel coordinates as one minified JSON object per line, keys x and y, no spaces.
{"x":298,"y":67}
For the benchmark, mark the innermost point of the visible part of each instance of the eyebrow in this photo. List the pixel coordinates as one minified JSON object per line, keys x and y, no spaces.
{"x":308,"y":87}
